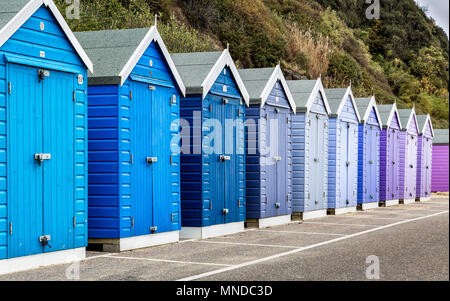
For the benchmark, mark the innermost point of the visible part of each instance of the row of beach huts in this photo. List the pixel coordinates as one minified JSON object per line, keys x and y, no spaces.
{"x":107,"y":138}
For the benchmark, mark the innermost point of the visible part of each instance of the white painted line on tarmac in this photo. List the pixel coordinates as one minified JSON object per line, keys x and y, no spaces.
{"x":168,"y":261}
{"x":340,"y":224}
{"x":253,"y":262}
{"x":300,"y":232}
{"x":375,"y":217}
{"x":97,"y":256}
{"x":246,"y":244}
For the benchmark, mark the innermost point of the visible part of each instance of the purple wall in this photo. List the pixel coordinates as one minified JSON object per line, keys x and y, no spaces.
{"x":408,"y":161}
{"x":439,"y":174}
{"x":389,"y":161}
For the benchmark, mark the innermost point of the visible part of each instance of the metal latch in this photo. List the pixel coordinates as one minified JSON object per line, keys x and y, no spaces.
{"x":316,"y":159}
{"x":393,"y":162}
{"x":44,"y":240}
{"x":348,"y":163}
{"x":151,"y":160}
{"x":41,"y":157}
{"x":42,"y":74}
{"x":276,"y":158}
{"x":371,"y":162}
{"x":412,"y":166}
{"x":153,"y":229}
{"x":225,"y":211}
{"x":224,"y":158}
{"x":277,"y":205}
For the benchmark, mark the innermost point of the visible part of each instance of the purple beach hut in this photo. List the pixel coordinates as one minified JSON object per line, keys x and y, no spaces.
{"x":424,"y":156}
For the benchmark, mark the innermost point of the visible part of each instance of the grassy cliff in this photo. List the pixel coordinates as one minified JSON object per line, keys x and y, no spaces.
{"x":401,"y":57}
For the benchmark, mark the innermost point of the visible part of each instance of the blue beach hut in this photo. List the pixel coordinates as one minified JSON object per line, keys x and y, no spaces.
{"x":269,"y":147}
{"x":309,"y":134}
{"x":43,"y":137}
{"x":342,"y":151}
{"x":134,"y":172}
{"x":212,"y":145}
{"x":368,"y":153}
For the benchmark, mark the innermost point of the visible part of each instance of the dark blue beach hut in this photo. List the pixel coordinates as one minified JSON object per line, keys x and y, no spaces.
{"x":368,"y":153}
{"x":309,"y":133}
{"x":134,"y":170}
{"x":269,"y":147}
{"x":342,"y":151}
{"x":43,"y":137}
{"x":212,"y":145}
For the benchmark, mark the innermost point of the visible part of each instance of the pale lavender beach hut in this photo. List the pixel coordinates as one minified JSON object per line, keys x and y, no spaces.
{"x":389,"y":155}
{"x":408,"y":156}
{"x":424,"y":157}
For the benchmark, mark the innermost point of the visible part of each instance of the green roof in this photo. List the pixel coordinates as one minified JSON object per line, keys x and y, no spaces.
{"x":9,"y":9}
{"x":255,"y":81}
{"x":385,"y":112}
{"x":404,"y":115}
{"x":440,"y":136}
{"x":110,"y":50}
{"x":194,"y":68}
{"x":421,"y":119}
{"x":301,"y":91}
{"x":362,"y":104}
{"x":335,"y":98}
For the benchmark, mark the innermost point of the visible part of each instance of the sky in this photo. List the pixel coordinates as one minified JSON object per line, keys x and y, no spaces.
{"x":438,"y":10}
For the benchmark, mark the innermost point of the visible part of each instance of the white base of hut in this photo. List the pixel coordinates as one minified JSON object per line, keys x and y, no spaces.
{"x":423,"y":199}
{"x":367,"y":206}
{"x":339,"y":211}
{"x":390,"y":203}
{"x":408,"y":201}
{"x":313,"y":214}
{"x":24,"y":263}
{"x":211,"y":231}
{"x":269,"y":221}
{"x":136,"y":242}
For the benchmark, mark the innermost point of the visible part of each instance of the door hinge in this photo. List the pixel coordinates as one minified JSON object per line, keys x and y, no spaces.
{"x":9,"y":88}
{"x":239,"y":112}
{"x":131,"y":158}
{"x":132,"y":222}
{"x":131,"y":95}
{"x":287,"y":198}
{"x":10,"y":228}
{"x":171,"y":217}
{"x":74,"y":96}
{"x":170,"y":160}
{"x":239,"y":202}
{"x":267,"y":116}
{"x":267,"y":200}
{"x":210,"y":107}
{"x":74,"y":221}
{"x":210,"y":205}
{"x":309,"y":122}
{"x":287,"y":120}
{"x":325,"y":125}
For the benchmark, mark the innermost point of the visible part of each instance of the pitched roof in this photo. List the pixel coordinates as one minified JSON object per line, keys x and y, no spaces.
{"x":13,"y":14}
{"x":422,"y":121}
{"x":260,"y":82}
{"x":406,"y":116}
{"x":199,"y":71}
{"x":440,"y":136}
{"x":337,"y":98}
{"x":387,"y":112}
{"x":116,"y":52}
{"x":304,"y":93}
{"x":365,"y":106}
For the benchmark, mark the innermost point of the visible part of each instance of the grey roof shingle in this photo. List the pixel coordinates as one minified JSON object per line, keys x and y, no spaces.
{"x":194,"y":68}
{"x":385,"y":112}
{"x":10,"y":8}
{"x":362,"y":104}
{"x":110,"y":50}
{"x":404,"y":115}
{"x":255,"y":81}
{"x":421,"y":119}
{"x":440,"y":136}
{"x":301,"y":91}
{"x":335,"y":98}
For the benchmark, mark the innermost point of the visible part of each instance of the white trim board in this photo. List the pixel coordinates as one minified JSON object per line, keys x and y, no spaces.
{"x":277,"y":75}
{"x":225,"y":59}
{"x":394,"y":110}
{"x":27,"y":11}
{"x":152,"y":36}
{"x":372,"y":104}
{"x":428,"y":120}
{"x":347,"y":94}
{"x":24,"y":263}
{"x":318,"y":87}
{"x":211,"y":231}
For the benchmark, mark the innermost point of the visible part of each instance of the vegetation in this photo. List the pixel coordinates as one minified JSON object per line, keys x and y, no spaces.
{"x":401,"y":57}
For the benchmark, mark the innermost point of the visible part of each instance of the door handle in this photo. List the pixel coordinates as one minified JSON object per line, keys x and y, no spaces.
{"x":393,"y":162}
{"x":371,"y":162}
{"x":42,"y":157}
{"x":316,"y":159}
{"x":151,"y":160}
{"x":224,"y":158}
{"x":348,"y":163}
{"x":276,"y":158}
{"x":412,"y":166}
